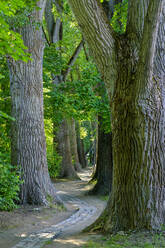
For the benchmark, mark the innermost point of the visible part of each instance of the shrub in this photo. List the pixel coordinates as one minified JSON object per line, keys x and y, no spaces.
{"x":9,"y":184}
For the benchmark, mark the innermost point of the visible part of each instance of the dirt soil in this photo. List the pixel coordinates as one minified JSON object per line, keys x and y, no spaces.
{"x":19,"y":224}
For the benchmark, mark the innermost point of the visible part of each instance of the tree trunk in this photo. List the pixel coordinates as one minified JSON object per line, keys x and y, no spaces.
{"x":138,"y":146}
{"x":132,"y":66}
{"x":80,"y":148}
{"x":63,"y":148}
{"x":104,"y":165}
{"x":73,"y":144}
{"x":94,"y":149}
{"x":28,"y":147}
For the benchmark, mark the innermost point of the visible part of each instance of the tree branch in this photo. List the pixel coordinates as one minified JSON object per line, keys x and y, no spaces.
{"x":149,"y":42}
{"x":159,"y":59}
{"x":45,"y":36}
{"x":99,"y":36}
{"x":56,"y":31}
{"x":41,"y":4}
{"x":72,"y":60}
{"x":49,"y":18}
{"x":53,"y":27}
{"x":137,"y":10}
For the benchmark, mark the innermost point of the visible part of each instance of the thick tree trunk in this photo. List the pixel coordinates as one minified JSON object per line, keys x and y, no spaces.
{"x":133,"y":68}
{"x":73,"y":144}
{"x":63,"y":148}
{"x":104,"y":165}
{"x":28,"y":148}
{"x":138,"y":146}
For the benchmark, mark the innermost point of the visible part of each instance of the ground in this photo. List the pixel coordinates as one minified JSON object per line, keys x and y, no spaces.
{"x":81,"y":211}
{"x":39,"y":227}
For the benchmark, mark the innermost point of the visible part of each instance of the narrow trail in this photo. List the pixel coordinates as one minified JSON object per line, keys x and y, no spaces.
{"x":86,"y":211}
{"x":68,"y":226}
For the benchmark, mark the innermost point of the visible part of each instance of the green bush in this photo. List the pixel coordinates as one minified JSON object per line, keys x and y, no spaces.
{"x":9,"y":184}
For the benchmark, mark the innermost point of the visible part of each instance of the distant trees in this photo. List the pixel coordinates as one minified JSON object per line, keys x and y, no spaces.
{"x":71,"y":101}
{"x":73,"y":79}
{"x":132,"y":66}
{"x":73,"y":145}
{"x":61,"y":136}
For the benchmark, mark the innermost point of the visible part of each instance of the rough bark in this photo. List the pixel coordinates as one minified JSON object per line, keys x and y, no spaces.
{"x":28,"y":147}
{"x":135,"y":82}
{"x":99,"y":36}
{"x":137,"y":199}
{"x":73,"y":144}
{"x":63,"y":148}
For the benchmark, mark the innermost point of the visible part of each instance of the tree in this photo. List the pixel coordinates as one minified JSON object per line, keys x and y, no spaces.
{"x":104,"y":162}
{"x":28,"y":148}
{"x":73,"y":145}
{"x":61,"y":136}
{"x":80,"y":147}
{"x":132,"y":66}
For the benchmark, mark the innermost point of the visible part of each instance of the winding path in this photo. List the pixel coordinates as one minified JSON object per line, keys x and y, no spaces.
{"x":86,"y":213}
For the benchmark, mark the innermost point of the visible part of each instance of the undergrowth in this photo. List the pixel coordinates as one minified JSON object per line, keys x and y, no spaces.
{"x":9,"y":184}
{"x":131,"y":240}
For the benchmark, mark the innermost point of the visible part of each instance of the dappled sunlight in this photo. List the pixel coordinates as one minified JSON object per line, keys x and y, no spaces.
{"x":46,"y":235}
{"x":23,"y":235}
{"x":61,"y":192}
{"x":86,"y":174}
{"x":70,"y":242}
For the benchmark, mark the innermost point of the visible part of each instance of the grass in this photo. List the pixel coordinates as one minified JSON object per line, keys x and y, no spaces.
{"x":131,"y":240}
{"x":54,"y":205}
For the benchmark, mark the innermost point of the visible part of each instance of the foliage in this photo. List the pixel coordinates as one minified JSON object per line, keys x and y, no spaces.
{"x":5,"y":108}
{"x":9,"y":178}
{"x":2,"y":114}
{"x":88,"y":134}
{"x":53,"y":157}
{"x":9,"y":184}
{"x":79,"y":99}
{"x":14,"y":14}
{"x":119,"y":19}
{"x":80,"y":96}
{"x":10,"y":41}
{"x":53,"y":62}
{"x":54,"y":161}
